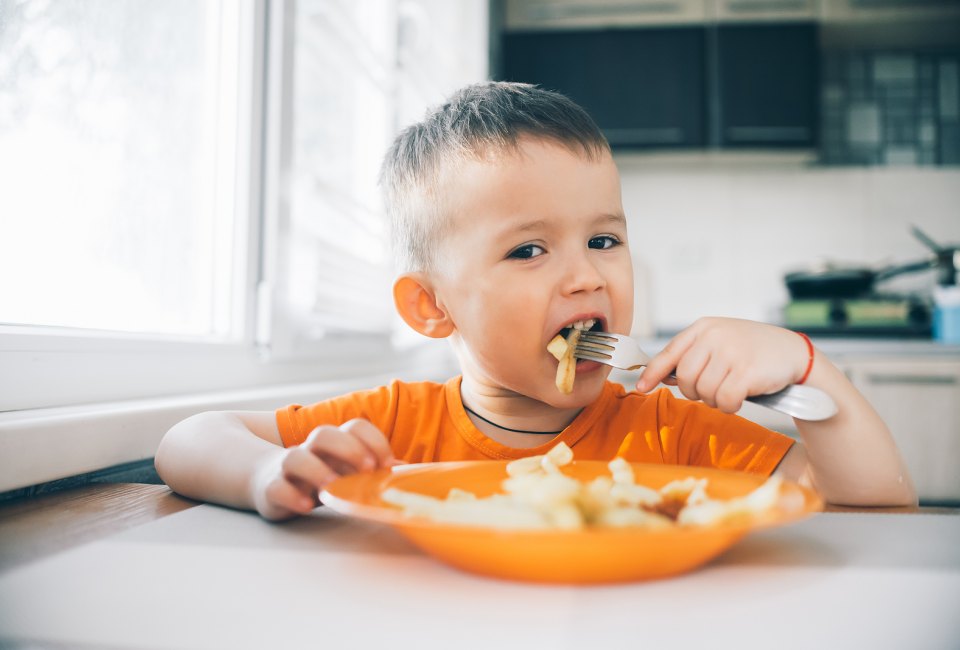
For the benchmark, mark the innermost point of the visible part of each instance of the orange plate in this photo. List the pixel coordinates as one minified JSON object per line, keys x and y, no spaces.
{"x":575,"y":557}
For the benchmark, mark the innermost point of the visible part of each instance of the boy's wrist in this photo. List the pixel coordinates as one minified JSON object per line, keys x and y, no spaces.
{"x":263,"y":471}
{"x":809,"y":354}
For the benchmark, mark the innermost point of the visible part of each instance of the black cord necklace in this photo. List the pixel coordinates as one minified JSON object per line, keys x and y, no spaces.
{"x":469,"y":410}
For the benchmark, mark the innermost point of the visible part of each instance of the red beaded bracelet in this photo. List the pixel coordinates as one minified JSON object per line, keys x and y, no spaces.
{"x":806,"y":373}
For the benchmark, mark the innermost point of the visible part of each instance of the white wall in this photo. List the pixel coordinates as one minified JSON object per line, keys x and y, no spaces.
{"x":716,"y":233}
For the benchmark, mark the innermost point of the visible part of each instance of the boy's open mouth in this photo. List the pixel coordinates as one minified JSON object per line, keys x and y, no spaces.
{"x":563,"y":348}
{"x":589,"y":325}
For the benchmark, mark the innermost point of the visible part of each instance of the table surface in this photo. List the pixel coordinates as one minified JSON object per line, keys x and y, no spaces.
{"x":165,"y":572}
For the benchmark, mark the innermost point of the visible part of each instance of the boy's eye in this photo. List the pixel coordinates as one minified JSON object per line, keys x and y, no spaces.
{"x":603,"y":241}
{"x":526,"y":251}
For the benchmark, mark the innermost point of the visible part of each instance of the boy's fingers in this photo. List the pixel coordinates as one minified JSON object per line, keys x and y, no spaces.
{"x":300,"y":466}
{"x":373,"y":439}
{"x":710,"y":379}
{"x":663,"y":363}
{"x":283,"y":494}
{"x":730,"y":394}
{"x":336,"y":445}
{"x":690,"y":368}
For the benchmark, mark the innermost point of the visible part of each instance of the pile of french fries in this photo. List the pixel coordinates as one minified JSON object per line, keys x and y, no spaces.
{"x":538,"y":495}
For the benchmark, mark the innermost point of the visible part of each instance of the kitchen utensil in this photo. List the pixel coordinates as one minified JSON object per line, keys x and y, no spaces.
{"x":835,"y":280}
{"x":584,"y":556}
{"x":802,"y":402}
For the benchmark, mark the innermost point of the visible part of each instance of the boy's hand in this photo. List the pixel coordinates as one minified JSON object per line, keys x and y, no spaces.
{"x":721,"y":361}
{"x":289,"y":483}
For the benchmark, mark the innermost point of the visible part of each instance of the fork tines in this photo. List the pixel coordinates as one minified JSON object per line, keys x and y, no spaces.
{"x":596,"y":346}
{"x":598,"y":337}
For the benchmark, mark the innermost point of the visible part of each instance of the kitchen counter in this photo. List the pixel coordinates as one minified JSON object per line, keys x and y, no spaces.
{"x":202,"y":576}
{"x":837,"y":347}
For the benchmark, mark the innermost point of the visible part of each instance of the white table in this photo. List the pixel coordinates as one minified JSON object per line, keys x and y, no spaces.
{"x":209,"y":577}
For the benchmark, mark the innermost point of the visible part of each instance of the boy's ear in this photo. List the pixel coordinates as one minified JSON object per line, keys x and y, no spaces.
{"x":417,"y":304}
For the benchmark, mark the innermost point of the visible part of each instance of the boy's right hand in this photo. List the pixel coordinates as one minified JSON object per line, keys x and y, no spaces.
{"x":289,"y":482}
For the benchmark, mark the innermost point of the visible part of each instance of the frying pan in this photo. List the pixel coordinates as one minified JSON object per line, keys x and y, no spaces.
{"x":839,"y":281}
{"x":833,"y":281}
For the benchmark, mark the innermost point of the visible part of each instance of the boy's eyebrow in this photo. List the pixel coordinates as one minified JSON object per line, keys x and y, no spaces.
{"x":534,"y":224}
{"x":618,"y":218}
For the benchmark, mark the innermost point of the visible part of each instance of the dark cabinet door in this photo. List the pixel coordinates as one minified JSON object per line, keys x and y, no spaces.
{"x":645,"y":88}
{"x":767,"y":76}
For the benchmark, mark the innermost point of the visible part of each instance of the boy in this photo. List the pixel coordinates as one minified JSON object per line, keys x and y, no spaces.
{"x":509,"y":225}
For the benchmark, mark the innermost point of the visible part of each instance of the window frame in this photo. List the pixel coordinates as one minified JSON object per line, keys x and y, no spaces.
{"x":47,"y":367}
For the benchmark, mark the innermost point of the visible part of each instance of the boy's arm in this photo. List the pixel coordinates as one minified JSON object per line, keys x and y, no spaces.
{"x":237,"y":459}
{"x":851,"y":458}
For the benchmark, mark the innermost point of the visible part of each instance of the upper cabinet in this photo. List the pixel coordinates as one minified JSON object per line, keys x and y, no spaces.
{"x":644,"y":87}
{"x":683,"y":74}
{"x":767,"y":85}
{"x":861,"y":82}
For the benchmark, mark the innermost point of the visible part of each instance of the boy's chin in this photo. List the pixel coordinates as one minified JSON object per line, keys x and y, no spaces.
{"x":584,"y":393}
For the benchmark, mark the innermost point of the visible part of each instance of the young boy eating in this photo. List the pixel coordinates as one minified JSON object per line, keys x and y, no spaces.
{"x":508,"y":222}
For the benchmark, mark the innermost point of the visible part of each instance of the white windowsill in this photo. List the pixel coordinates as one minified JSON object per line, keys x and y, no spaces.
{"x":41,"y":445}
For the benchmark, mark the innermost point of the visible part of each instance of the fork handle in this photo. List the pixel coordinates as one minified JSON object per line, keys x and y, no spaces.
{"x":803,"y":402}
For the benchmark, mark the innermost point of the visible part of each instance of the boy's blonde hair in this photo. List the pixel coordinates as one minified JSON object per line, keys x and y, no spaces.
{"x":476,"y":121}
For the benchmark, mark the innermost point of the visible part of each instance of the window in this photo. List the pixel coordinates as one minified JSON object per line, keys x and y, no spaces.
{"x":190,"y":200}
{"x":356,"y":72}
{"x":118,"y":142}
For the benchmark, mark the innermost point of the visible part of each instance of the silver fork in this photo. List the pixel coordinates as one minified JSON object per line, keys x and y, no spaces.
{"x":619,"y":351}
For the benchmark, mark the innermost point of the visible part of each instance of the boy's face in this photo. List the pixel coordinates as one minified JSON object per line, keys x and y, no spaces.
{"x":538,"y":241}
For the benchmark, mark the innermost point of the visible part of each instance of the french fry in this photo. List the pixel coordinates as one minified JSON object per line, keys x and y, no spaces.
{"x":558,"y":347}
{"x":567,"y":369}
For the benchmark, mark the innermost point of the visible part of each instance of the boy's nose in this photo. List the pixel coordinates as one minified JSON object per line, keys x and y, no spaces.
{"x":582,"y":275}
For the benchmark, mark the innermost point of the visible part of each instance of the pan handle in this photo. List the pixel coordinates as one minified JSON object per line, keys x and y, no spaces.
{"x":946,"y":259}
{"x":925,"y":239}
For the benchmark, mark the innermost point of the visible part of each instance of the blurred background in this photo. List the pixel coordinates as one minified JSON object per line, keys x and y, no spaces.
{"x":761,"y":137}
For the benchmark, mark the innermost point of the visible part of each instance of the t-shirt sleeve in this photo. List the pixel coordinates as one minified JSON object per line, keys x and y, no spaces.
{"x":378,"y":405}
{"x":708,"y":437}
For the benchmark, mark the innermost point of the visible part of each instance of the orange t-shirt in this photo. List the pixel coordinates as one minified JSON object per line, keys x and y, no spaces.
{"x":426,"y":422}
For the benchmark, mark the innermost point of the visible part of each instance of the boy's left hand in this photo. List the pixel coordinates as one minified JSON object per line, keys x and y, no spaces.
{"x":722,"y":361}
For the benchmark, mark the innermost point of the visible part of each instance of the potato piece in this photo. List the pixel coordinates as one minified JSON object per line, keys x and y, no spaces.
{"x":560,"y":454}
{"x":567,"y":369}
{"x":522,"y":466}
{"x":557,"y":347}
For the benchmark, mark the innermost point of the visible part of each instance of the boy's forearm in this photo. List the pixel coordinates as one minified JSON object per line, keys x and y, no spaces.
{"x":214,"y":457}
{"x":853,"y":459}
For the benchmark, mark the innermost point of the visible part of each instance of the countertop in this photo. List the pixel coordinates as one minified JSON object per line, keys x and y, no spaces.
{"x":837,"y":347}
{"x":201,"y":576}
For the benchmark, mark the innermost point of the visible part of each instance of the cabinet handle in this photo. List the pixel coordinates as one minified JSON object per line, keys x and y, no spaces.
{"x":938,"y":380}
{"x":768,"y":133}
{"x":604,"y":10}
{"x":738,"y":6}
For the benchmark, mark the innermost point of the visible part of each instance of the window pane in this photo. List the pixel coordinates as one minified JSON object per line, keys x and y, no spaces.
{"x":341,"y":125}
{"x":110,"y":121}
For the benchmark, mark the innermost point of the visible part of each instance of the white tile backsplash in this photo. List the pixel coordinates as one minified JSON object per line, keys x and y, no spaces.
{"x":715,"y":238}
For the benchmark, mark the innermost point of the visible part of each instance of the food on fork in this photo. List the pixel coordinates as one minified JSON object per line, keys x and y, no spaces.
{"x":564,"y":349}
{"x":538,"y":495}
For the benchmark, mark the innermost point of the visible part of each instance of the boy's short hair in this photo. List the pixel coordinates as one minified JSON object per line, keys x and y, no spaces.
{"x":474,"y":122}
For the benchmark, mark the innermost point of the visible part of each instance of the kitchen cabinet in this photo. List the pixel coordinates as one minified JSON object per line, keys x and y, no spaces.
{"x":919,"y":399}
{"x":682,"y":86}
{"x":644,"y":87}
{"x":768,"y":79}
